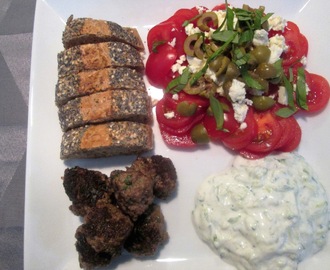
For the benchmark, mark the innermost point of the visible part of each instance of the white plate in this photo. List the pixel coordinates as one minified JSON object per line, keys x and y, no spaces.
{"x":50,"y":226}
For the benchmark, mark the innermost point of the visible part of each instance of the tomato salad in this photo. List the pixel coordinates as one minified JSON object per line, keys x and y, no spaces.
{"x":235,"y":76}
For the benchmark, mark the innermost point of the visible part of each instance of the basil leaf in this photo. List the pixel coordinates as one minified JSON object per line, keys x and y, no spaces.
{"x":246,"y":36}
{"x":177,"y":84}
{"x":217,"y":112}
{"x":156,"y":44}
{"x":223,"y":35}
{"x":289,"y":91}
{"x":251,"y":82}
{"x":230,"y":19}
{"x":285,"y":112}
{"x":301,"y":89}
{"x":266,"y":17}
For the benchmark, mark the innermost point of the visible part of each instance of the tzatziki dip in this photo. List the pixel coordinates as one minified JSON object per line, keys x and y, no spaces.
{"x":263,"y":214}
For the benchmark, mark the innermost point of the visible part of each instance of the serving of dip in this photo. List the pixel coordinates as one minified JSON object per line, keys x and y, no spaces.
{"x":269,"y":213}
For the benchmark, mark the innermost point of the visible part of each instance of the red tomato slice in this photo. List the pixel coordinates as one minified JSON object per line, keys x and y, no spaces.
{"x":319,"y":94}
{"x":242,"y":137}
{"x":219,"y":7}
{"x":297,"y":43}
{"x":268,"y":134}
{"x":252,"y":155}
{"x":230,"y":124}
{"x":158,"y":66}
{"x":182,"y":141}
{"x":176,"y":125}
{"x":292,"y":133}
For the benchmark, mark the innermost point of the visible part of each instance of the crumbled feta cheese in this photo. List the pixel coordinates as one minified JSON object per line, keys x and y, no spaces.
{"x":195,"y":64}
{"x":277,"y":46}
{"x":172,"y":42}
{"x":303,"y":60}
{"x":200,"y":9}
{"x":237,"y":91}
{"x":221,"y":14}
{"x":243,"y":126}
{"x":175,"y":96}
{"x":240,"y":111}
{"x":260,"y":37}
{"x":178,"y":67}
{"x":169,"y":115}
{"x":282,"y":96}
{"x":190,"y":29}
{"x":277,"y":23}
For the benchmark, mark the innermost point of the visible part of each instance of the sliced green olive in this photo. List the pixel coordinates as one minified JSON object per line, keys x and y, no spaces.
{"x":189,"y":43}
{"x":205,"y":19}
{"x":266,"y":71}
{"x":261,"y":54}
{"x":219,"y":64}
{"x":199,"y":134}
{"x":186,"y":108}
{"x":262,"y":103}
{"x":232,"y":71}
{"x":198,"y":51}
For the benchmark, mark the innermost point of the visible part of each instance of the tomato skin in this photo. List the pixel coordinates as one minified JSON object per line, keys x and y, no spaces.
{"x":319,"y":94}
{"x":268,"y":135}
{"x":242,"y":137}
{"x":297,"y":43}
{"x":293,"y":133}
{"x":182,"y":141}
{"x":158,"y":66}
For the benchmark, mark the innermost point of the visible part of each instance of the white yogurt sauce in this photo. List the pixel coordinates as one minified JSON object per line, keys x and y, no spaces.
{"x":263,"y":214}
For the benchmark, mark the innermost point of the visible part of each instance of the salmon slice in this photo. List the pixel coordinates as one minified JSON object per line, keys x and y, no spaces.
{"x":87,"y":30}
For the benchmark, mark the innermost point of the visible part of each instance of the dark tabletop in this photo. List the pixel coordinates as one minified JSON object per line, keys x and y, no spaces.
{"x":16,"y":28}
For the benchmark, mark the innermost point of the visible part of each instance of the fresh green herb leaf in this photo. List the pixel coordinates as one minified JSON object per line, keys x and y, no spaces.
{"x":285,"y":112}
{"x":224,"y":35}
{"x":230,"y":18}
{"x":266,"y":17}
{"x":250,"y":81}
{"x":246,"y":36}
{"x":301,"y":89}
{"x":217,"y":111}
{"x":177,"y":84}
{"x":156,"y":44}
{"x":289,"y":91}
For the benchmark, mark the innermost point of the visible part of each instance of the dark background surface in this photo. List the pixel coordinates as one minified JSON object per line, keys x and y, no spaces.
{"x":16,"y":28}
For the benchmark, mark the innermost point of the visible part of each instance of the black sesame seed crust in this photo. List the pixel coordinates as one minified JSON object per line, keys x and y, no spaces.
{"x":75,"y":34}
{"x":117,"y":54}
{"x":125,"y":138}
{"x":73,"y":85}
{"x":106,"y":106}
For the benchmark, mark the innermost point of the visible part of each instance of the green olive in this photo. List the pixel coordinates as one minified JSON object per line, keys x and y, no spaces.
{"x":232,"y":71}
{"x":205,"y":19}
{"x":188,"y":45}
{"x":266,"y":71}
{"x":186,"y":108}
{"x":261,"y":54}
{"x":262,"y":103}
{"x":198,"y":48}
{"x":199,"y":134}
{"x":219,"y":64}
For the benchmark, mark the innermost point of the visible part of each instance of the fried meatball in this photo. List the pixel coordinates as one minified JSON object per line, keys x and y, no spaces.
{"x":149,"y":233}
{"x":88,"y":257}
{"x":105,"y":229}
{"x":133,"y":192}
{"x":161,"y":170}
{"x":85,"y":188}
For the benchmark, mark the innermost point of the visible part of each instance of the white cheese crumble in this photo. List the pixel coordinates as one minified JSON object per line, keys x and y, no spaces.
{"x":277,"y":46}
{"x":282,"y":96}
{"x":178,"y":67}
{"x":169,"y":115}
{"x":190,"y":29}
{"x":277,"y":23}
{"x":260,"y":38}
{"x":172,"y":42}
